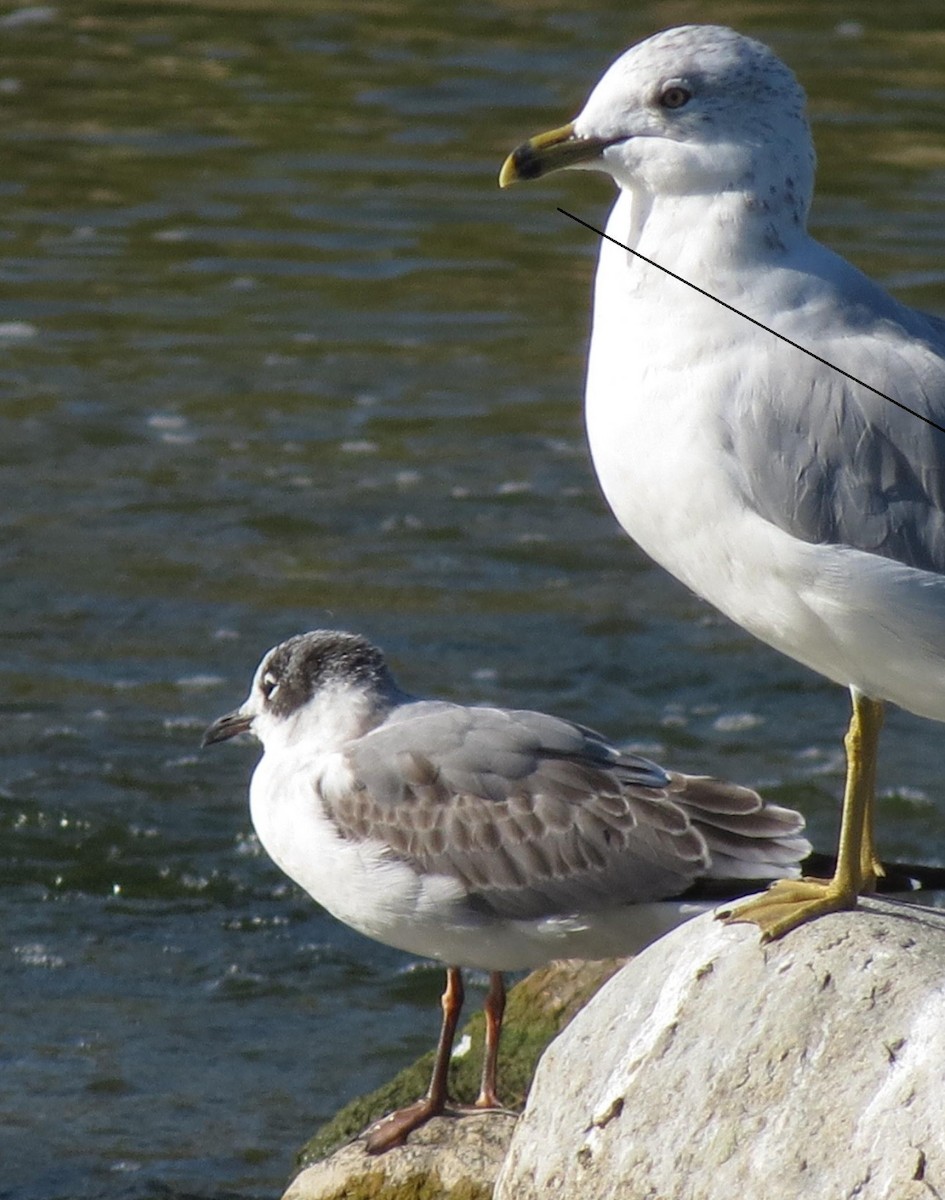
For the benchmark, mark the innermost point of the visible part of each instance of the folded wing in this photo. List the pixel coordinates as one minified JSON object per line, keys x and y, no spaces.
{"x":537,"y":816}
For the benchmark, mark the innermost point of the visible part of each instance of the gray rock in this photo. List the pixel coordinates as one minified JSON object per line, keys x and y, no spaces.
{"x":712,"y":1066}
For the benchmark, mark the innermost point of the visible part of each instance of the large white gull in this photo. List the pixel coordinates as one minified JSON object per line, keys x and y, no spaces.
{"x":806,"y":507}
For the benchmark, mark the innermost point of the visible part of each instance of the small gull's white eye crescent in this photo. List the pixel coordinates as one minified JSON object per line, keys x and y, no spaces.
{"x":269,"y":683}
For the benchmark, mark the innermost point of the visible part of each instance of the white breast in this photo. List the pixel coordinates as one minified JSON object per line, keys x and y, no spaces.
{"x":663,"y":361}
{"x":356,"y":881}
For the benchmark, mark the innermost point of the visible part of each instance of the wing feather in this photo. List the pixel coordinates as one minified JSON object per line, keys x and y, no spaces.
{"x":831,"y":462}
{"x":537,"y":816}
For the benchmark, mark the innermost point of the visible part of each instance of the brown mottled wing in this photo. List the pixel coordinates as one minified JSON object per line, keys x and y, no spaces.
{"x":534,"y":815}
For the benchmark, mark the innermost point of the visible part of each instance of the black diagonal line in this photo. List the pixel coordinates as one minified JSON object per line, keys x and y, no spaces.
{"x":761,"y":325}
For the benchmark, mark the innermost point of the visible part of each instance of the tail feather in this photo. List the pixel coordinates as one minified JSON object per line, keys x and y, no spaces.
{"x":708,"y":795}
{"x":746,"y":837}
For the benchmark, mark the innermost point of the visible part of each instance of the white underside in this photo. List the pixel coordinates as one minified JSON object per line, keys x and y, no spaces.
{"x":859,"y":619}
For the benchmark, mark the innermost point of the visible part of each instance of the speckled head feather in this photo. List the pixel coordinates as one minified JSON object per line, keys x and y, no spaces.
{"x":336,"y":681}
{"x":293,"y":672}
{"x":737,"y":120}
{"x":694,"y":112}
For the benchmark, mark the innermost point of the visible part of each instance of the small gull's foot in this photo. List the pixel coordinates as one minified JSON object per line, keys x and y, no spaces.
{"x":481,"y":1108}
{"x":487,"y":1101}
{"x":394,"y":1129}
{"x":789,"y":903}
{"x":470,"y":1110}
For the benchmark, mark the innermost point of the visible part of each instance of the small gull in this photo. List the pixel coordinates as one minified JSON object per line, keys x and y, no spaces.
{"x":806,"y":507}
{"x":483,"y":837}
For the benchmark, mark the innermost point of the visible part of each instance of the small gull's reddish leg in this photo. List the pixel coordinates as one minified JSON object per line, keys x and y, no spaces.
{"x":392,"y":1130}
{"x":494,"y":1009}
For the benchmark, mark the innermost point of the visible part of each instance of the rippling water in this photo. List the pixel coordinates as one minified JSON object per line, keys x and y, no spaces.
{"x":275,"y":353}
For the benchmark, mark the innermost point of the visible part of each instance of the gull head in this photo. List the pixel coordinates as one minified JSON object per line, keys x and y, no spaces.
{"x":697,"y":110}
{"x":317,"y":690}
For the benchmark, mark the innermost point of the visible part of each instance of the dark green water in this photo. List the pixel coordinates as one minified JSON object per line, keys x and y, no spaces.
{"x":275,"y":353}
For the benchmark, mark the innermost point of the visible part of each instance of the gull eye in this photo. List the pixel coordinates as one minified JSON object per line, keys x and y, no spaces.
{"x":268,"y":684}
{"x":674,"y":95}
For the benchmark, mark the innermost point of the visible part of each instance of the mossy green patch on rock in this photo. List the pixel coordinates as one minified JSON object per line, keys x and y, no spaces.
{"x":538,"y":1009}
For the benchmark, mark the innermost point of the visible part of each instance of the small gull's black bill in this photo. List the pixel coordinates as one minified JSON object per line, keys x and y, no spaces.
{"x":226,"y":727}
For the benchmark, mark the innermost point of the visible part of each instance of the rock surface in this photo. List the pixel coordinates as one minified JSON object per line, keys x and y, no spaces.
{"x":448,"y":1159}
{"x":712,"y":1066}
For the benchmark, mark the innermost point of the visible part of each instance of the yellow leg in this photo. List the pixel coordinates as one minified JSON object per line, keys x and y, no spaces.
{"x":870,"y":867}
{"x":792,"y":902}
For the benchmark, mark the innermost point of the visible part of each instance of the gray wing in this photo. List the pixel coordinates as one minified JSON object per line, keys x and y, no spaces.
{"x":829,"y":461}
{"x":536,"y":816}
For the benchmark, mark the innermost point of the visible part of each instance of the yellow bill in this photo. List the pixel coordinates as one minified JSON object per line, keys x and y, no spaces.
{"x":552,"y":151}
